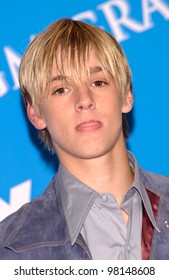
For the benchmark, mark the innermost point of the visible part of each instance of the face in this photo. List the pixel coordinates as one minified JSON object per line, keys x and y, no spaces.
{"x":84,"y":120}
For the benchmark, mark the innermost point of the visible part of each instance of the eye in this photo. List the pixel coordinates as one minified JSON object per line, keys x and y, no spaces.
{"x":99,"y":83}
{"x":60,"y":91}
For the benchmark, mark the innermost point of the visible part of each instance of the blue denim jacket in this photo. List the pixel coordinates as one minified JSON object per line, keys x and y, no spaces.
{"x":38,"y":229}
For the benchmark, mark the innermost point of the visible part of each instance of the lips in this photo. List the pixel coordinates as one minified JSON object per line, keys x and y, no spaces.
{"x":90,"y":125}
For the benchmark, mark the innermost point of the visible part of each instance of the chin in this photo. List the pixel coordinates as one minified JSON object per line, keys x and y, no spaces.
{"x":91,"y":155}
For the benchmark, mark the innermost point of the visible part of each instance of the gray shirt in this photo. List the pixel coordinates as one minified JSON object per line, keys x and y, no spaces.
{"x":98,"y":218}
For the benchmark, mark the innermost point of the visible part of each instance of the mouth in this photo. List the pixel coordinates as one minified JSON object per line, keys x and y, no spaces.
{"x":91,"y":125}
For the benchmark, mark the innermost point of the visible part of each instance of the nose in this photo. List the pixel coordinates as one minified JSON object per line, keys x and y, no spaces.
{"x":84,"y":99}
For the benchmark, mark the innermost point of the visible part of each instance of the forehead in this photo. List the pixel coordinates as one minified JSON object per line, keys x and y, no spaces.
{"x":75,"y":69}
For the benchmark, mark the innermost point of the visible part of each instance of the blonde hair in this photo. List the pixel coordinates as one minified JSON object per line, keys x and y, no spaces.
{"x":70,"y":41}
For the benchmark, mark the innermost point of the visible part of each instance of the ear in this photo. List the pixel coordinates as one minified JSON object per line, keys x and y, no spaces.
{"x":127,"y":102}
{"x":38,"y":122}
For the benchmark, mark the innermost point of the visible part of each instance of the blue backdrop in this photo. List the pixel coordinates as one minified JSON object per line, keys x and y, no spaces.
{"x":142,"y":29}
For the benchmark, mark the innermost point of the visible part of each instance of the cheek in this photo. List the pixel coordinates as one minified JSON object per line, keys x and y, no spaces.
{"x":112,"y":109}
{"x":59,"y":129}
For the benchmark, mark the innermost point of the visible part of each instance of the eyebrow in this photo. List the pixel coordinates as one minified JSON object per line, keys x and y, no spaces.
{"x":93,"y":70}
{"x":58,"y":78}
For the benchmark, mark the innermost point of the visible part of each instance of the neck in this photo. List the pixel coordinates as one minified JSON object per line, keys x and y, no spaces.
{"x":110,"y":173}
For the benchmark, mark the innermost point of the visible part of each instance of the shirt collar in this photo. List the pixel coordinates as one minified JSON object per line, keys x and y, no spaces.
{"x":77,"y":198}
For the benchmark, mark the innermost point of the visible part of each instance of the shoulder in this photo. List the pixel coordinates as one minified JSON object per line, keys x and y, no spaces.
{"x":30,"y":215}
{"x":155,"y":183}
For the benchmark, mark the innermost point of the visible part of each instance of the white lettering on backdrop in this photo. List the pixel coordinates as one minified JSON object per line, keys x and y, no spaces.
{"x":18,"y":195}
{"x":4,"y":87}
{"x":117,"y":23}
{"x":13,"y":60}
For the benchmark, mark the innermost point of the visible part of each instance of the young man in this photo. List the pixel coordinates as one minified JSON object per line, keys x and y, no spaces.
{"x":76,"y":84}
